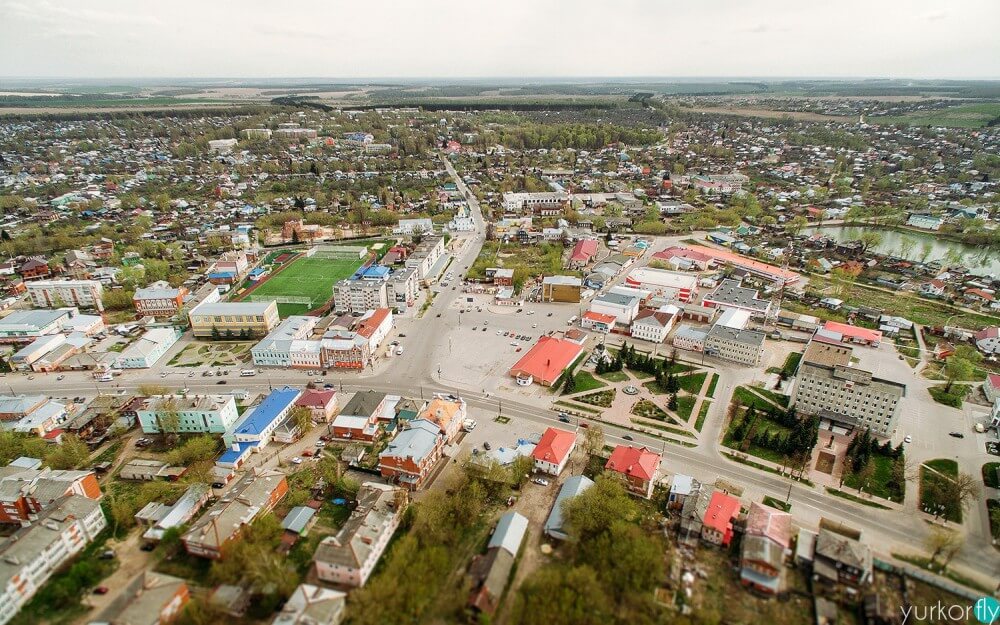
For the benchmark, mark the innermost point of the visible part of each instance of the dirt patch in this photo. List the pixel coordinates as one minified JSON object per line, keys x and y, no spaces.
{"x":825,"y":462}
{"x":770,"y":114}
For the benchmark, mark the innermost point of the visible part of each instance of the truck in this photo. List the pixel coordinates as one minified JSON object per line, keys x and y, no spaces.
{"x":246,"y":373}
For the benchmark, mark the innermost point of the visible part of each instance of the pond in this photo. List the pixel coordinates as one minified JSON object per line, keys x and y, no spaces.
{"x":982,"y":261}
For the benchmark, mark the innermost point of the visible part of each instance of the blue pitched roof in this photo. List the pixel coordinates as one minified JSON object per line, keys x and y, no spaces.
{"x":570,"y":488}
{"x":509,"y":533}
{"x":232,"y":456}
{"x":256,"y":420}
{"x":297,"y":519}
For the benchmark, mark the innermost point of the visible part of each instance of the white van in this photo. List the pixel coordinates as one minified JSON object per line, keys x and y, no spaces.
{"x":107,"y":377}
{"x":246,"y":373}
{"x":399,"y":350}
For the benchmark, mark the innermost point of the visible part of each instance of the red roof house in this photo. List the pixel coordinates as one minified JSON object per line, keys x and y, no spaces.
{"x":717,"y":524}
{"x":553,"y":450}
{"x":583,"y":252}
{"x":322,"y":404}
{"x":638,"y":466}
{"x":846,"y":333}
{"x":546,"y":361}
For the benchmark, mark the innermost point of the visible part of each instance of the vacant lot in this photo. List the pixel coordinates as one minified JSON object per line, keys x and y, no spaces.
{"x":965,"y":116}
{"x":307,"y":277}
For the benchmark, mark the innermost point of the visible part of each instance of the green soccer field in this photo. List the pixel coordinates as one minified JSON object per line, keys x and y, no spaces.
{"x":307,"y":277}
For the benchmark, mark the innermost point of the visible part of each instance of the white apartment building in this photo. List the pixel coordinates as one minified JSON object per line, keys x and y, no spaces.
{"x":30,"y":556}
{"x":403,"y":289}
{"x":148,"y":349}
{"x":357,"y":296}
{"x":62,"y":293}
{"x":213,"y":414}
{"x":690,"y":338}
{"x":736,"y":345}
{"x":414,"y":226}
{"x":425,"y":255}
{"x":349,"y":557}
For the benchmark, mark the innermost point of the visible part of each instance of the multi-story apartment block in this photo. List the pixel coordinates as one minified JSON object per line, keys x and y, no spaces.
{"x":735,"y":344}
{"x":62,"y":293}
{"x":842,"y":395}
{"x":357,"y":296}
{"x":159,"y":299}
{"x":30,"y":556}
{"x":349,"y":557}
{"x":25,"y":493}
{"x":213,"y":414}
{"x":402,"y":289}
{"x":425,"y":255}
{"x":233,"y":319}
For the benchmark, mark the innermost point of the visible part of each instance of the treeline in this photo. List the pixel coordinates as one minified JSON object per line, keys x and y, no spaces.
{"x":798,"y":442}
{"x":562,"y":136}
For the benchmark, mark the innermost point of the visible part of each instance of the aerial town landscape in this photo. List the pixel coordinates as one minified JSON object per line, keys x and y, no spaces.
{"x":311,"y":352}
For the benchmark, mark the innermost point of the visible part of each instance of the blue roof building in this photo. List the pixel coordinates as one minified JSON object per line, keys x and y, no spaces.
{"x":570,"y":488}
{"x":258,"y":424}
{"x":509,"y":532}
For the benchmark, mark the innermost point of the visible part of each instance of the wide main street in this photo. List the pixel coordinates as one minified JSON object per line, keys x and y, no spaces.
{"x":415,"y":373}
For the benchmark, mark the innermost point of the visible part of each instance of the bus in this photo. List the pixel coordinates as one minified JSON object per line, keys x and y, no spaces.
{"x":246,"y":373}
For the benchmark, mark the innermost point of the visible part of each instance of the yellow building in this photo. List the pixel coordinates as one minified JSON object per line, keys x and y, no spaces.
{"x":223,"y":320}
{"x":561,"y":289}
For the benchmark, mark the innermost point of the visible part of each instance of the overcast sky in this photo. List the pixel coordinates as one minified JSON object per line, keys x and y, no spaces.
{"x":515,"y":38}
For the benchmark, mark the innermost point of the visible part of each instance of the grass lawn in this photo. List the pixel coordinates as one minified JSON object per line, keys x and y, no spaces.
{"x":692,"y":383}
{"x":744,"y":396}
{"x":761,"y":423}
{"x":764,"y":467}
{"x":856,"y":499}
{"x":925,"y":563}
{"x":878,"y":484}
{"x":307,"y":277}
{"x":777,"y":503}
{"x":952,"y":398}
{"x":711,"y":385}
{"x":685,"y":404}
{"x":993,"y":506}
{"x":791,"y":364}
{"x":600,"y":398}
{"x":665,"y":428}
{"x":679,"y":367}
{"x":614,"y":376}
{"x":963,"y":116}
{"x":587,"y":382}
{"x":937,"y":472}
{"x":577,"y":407}
{"x":990,"y":477}
{"x":702,"y":413}
{"x":649,"y":410}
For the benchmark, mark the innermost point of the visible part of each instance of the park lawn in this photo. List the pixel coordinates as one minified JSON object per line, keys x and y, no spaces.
{"x":587,"y":382}
{"x":928,"y":502}
{"x":990,"y":477}
{"x":600,"y":398}
{"x":685,"y":403}
{"x":791,"y":364}
{"x":878,"y":484}
{"x":702,"y":413}
{"x":952,"y":398}
{"x":614,"y":376}
{"x":777,"y":504}
{"x":745,"y":397}
{"x":712,"y":385}
{"x":762,"y":423}
{"x":646,"y":408}
{"x":692,"y":383}
{"x":308,"y":277}
{"x":964,"y":116}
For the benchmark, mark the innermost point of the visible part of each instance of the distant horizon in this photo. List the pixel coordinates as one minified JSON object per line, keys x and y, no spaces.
{"x":499,"y":78}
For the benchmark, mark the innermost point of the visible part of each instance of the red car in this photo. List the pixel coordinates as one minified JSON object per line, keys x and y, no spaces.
{"x":307,"y":453}
{"x":101,"y":590}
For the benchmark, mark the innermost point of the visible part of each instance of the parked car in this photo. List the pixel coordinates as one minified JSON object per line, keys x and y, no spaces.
{"x":296,"y":460}
{"x":628,"y":437}
{"x":540,"y":481}
{"x":908,"y":439}
{"x":487,"y":446}
{"x":956,"y":434}
{"x":101,"y":590}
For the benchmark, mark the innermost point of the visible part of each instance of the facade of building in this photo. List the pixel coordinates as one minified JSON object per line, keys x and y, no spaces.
{"x":672,"y":285}
{"x":63,"y":293}
{"x":159,"y":300}
{"x":258,"y":424}
{"x":149,"y":599}
{"x":843,"y":396}
{"x":30,"y":556}
{"x":553,"y":450}
{"x":233,"y":319}
{"x":731,"y":295}
{"x":412,"y":454}
{"x":211,"y":414}
{"x":358,"y":421}
{"x":148,"y":349}
{"x":736,"y":345}
{"x":624,"y":308}
{"x":287,"y":345}
{"x":348,"y":558}
{"x":358,"y":296}
{"x":653,"y":325}
{"x":766,"y":540}
{"x":561,"y":289}
{"x":24,"y":326}
{"x":638,"y":467}
{"x":25,"y":493}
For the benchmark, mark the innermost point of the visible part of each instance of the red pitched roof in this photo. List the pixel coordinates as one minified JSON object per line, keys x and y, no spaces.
{"x":872,"y":336}
{"x":634,"y":462}
{"x":313,"y":398}
{"x":993,"y":380}
{"x":682,"y":252}
{"x":367,"y":327}
{"x":584,"y":250}
{"x":547,"y":359}
{"x":774,"y":524}
{"x":599,"y":317}
{"x":721,"y":511}
{"x":554,"y":446}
